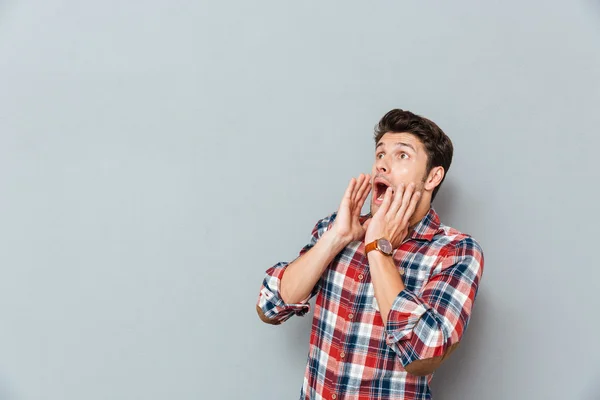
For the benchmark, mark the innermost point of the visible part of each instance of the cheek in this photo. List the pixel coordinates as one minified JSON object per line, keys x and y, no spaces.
{"x":406,"y":174}
{"x":402,"y":173}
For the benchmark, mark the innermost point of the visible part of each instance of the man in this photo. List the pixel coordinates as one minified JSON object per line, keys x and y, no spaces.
{"x":395,"y":288}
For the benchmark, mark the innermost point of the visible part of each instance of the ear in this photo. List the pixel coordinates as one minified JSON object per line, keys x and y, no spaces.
{"x":434,"y":178}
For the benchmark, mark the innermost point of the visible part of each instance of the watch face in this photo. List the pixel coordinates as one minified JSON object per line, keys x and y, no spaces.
{"x":385,"y":246}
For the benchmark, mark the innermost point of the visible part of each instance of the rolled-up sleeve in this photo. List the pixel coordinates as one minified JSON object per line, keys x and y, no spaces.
{"x":270,"y":304}
{"x":426,"y":326}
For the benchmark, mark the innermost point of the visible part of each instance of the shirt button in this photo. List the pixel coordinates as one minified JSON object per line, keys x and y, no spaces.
{"x":342,"y":354}
{"x":333,"y":396}
{"x":350,"y":316}
{"x":360,"y":277}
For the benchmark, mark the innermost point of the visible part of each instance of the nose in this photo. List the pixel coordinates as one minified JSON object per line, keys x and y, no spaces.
{"x":381,"y":165}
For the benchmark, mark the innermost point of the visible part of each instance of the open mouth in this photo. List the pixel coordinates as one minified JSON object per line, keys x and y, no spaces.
{"x":379,"y":188}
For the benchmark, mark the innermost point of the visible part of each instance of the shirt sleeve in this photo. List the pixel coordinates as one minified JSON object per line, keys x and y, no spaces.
{"x":270,"y":302}
{"x":425,"y":326}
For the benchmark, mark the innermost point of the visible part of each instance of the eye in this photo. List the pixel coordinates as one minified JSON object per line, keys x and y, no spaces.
{"x":403,"y":156}
{"x":379,"y":156}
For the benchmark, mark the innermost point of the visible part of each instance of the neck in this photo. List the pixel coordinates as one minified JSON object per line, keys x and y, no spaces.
{"x":420,"y":213}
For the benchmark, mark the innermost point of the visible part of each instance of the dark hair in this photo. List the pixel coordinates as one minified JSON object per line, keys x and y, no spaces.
{"x":437,"y":145}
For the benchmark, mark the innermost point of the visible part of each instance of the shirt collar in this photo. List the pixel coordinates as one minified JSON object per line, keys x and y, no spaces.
{"x":427,"y":227}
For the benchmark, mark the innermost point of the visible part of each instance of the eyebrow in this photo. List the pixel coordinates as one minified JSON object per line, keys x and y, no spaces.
{"x":401,"y":144}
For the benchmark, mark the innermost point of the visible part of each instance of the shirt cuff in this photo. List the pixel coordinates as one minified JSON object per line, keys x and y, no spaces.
{"x":404,"y":315}
{"x":270,"y":300}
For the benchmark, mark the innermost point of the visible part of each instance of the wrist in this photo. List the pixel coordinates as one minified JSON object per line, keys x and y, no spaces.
{"x":376,"y":234}
{"x":374,"y":237}
{"x":376,"y":257}
{"x":334,"y":241}
{"x":381,"y":245}
{"x":369,"y":239}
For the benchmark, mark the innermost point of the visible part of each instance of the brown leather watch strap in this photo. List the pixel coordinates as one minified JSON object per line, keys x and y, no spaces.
{"x":371,"y":246}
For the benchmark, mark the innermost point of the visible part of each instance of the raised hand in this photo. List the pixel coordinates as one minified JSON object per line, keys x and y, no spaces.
{"x":392,"y":219}
{"x":347,"y":226}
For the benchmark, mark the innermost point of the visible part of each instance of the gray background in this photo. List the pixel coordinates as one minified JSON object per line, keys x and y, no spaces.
{"x":157,"y":157}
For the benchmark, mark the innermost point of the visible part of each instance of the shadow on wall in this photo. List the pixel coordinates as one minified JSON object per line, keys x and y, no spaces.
{"x":451,"y":380}
{"x":592,"y":390}
{"x":445,"y":201}
{"x":458,"y":209}
{"x":461,"y":369}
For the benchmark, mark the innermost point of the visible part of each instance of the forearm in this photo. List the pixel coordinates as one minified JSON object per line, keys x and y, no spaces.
{"x":302,"y":275}
{"x":387,"y":282}
{"x":424,"y":328}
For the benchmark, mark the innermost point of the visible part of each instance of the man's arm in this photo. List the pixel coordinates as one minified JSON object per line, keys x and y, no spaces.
{"x":423,"y":330}
{"x":387,"y":282}
{"x":301,"y":276}
{"x":288,"y":287}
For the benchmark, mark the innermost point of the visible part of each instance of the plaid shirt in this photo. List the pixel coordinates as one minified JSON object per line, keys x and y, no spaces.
{"x":352,"y":355}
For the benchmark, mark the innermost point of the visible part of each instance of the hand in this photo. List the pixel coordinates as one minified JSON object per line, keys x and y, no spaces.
{"x":347,"y":227}
{"x":391,"y":221}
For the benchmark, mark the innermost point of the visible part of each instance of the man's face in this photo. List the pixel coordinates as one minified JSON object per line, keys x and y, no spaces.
{"x":399,"y":158}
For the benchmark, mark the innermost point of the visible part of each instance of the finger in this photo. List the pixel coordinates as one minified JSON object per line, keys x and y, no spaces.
{"x":361,"y":202}
{"x":363,"y":194}
{"x":387,"y":200}
{"x":410,"y":189}
{"x":347,"y":199}
{"x":414,"y":200}
{"x":366,"y":184}
{"x":356,"y":194}
{"x":397,"y":200}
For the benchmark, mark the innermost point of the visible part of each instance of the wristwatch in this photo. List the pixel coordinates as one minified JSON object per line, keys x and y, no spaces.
{"x":383,"y":245}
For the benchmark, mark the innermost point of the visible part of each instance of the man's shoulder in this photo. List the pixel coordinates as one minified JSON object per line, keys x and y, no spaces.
{"x":452,"y":238}
{"x":323,"y":224}
{"x":327,"y":220}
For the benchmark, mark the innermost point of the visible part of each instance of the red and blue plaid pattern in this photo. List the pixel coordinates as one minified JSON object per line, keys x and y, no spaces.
{"x":352,"y":355}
